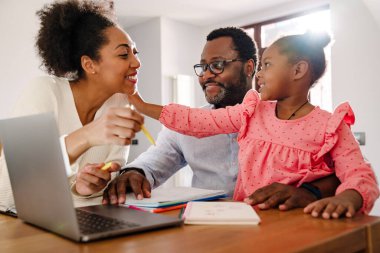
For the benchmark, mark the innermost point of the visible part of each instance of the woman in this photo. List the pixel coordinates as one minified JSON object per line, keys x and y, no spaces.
{"x":94,"y":65}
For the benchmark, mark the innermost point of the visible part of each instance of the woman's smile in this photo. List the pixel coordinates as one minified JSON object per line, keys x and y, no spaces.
{"x":132,"y":78}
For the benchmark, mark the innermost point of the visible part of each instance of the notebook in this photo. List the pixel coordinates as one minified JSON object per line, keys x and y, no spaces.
{"x":170,"y":196}
{"x":41,"y":190}
{"x":220,"y":213}
{"x":158,"y":209}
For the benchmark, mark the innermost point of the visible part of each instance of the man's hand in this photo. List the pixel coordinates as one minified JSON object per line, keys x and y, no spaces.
{"x":130,"y":180}
{"x":285,"y":197}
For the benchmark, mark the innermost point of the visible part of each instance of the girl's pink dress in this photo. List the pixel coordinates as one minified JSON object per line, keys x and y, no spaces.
{"x":284,"y":151}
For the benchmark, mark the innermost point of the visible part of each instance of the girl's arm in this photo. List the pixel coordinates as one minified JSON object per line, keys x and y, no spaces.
{"x":359,"y":188}
{"x":352,"y":169}
{"x":201,"y":122}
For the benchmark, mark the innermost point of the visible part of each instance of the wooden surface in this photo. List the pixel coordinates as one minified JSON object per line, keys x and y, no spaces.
{"x":290,"y":231}
{"x":374,"y":237}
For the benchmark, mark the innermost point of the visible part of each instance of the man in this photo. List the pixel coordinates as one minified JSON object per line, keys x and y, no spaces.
{"x":226,"y":71}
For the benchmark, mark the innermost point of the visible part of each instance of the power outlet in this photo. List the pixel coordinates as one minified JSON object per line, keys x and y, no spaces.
{"x":360,"y":137}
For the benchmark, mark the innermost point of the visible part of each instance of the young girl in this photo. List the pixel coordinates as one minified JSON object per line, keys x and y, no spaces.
{"x":282,"y":137}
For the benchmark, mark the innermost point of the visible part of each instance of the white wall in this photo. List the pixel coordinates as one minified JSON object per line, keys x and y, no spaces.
{"x":355,"y":75}
{"x":182,"y":45}
{"x":148,"y":41}
{"x":167,"y":48}
{"x":18,"y":61}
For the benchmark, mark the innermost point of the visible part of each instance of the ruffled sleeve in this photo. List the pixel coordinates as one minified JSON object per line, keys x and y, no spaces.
{"x":205,"y":122}
{"x":349,"y":164}
{"x":343,"y":113}
{"x":249,"y":104}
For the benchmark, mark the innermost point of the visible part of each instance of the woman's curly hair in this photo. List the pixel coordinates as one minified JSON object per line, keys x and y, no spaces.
{"x":70,"y":29}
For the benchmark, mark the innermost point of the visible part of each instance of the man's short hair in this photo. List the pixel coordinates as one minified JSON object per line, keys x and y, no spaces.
{"x":244,"y":44}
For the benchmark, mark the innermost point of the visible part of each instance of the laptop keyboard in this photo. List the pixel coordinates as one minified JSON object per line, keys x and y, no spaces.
{"x":90,"y":223}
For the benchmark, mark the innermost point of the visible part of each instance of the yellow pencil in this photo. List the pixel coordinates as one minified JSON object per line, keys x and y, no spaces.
{"x":144,"y":130}
{"x":147,"y":134}
{"x":106,"y":166}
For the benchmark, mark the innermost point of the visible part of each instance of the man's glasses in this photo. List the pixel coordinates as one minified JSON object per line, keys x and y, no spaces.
{"x":216,"y":67}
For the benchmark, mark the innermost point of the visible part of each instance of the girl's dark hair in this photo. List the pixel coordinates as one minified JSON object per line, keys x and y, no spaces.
{"x":70,"y":29}
{"x":309,"y":47}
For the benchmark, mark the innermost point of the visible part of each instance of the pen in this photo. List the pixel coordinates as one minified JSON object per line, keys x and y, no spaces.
{"x":144,"y":130}
{"x":106,"y":166}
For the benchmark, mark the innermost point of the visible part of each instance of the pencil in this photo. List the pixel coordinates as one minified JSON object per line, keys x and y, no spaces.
{"x":106,"y":166}
{"x":144,"y":130}
{"x":148,"y":135}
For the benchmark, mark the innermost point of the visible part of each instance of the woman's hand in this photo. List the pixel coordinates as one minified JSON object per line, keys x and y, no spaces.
{"x":344,"y":204}
{"x":117,"y":126}
{"x":91,"y":179}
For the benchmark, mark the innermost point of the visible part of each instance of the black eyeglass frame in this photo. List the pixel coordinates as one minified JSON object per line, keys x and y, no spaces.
{"x":205,"y":66}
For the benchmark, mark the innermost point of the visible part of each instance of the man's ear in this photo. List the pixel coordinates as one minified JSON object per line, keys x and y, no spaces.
{"x":300,"y":69}
{"x":250,"y":68}
{"x":88,"y":65}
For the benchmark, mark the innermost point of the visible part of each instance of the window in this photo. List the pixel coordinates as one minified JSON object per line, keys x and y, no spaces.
{"x":265,"y":33}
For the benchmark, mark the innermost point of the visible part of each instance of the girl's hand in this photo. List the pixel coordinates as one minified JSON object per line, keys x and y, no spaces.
{"x":150,"y":110}
{"x":117,"y":126}
{"x":136,"y":100}
{"x":345,"y":203}
{"x":91,"y":179}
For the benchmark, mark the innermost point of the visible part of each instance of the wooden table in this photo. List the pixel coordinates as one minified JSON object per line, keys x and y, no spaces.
{"x":290,"y":231}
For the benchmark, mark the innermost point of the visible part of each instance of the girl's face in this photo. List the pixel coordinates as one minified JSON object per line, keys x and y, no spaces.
{"x":274,"y":77}
{"x":118,"y":65}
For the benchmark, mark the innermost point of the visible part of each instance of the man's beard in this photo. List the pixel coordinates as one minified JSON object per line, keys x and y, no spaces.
{"x":230,"y":93}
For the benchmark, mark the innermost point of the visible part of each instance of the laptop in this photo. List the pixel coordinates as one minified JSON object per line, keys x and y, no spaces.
{"x":42,"y":193}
